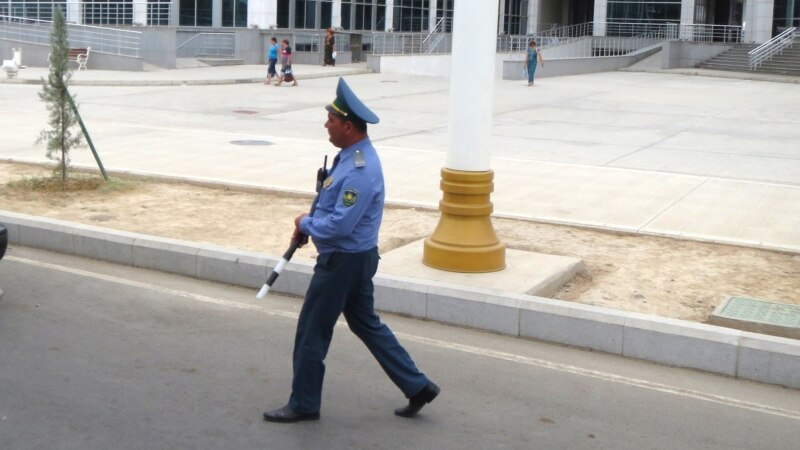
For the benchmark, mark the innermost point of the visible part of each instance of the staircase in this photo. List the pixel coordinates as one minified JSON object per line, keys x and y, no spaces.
{"x":787,"y":63}
{"x":734,"y":59}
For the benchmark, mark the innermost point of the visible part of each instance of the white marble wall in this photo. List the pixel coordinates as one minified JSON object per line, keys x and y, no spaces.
{"x":534,"y":6}
{"x":74,"y":11}
{"x":758,"y":20}
{"x":264,"y":13}
{"x":687,"y":18}
{"x":600,"y":17}
{"x":336,"y":13}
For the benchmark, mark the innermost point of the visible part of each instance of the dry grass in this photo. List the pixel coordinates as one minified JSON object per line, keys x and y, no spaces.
{"x":73,"y":184}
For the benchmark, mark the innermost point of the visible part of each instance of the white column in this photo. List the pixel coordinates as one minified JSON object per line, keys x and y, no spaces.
{"x":140,"y":13}
{"x":389,"y":25}
{"x":336,"y":14}
{"x":432,"y":14}
{"x":600,"y":17}
{"x":758,"y":21}
{"x":174,"y":13}
{"x":263,"y":13}
{"x":74,"y":11}
{"x":472,"y":85}
{"x":789,"y":13}
{"x":534,"y":8}
{"x":687,"y":19}
{"x":216,"y":13}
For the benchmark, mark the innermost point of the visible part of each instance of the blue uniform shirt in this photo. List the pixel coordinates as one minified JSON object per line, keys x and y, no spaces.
{"x":350,"y":206}
{"x":273,"y":51}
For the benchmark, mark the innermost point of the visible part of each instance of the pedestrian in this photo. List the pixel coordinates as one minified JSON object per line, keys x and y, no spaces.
{"x":534,"y":56}
{"x":287,"y":74}
{"x":273,"y":59}
{"x":344,"y":228}
{"x":329,"y":58}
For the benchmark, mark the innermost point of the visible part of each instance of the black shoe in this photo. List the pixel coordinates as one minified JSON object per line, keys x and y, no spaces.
{"x":415,"y":403}
{"x":286,"y":415}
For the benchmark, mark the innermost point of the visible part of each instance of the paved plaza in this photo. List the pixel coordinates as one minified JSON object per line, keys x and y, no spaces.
{"x":658,"y":153}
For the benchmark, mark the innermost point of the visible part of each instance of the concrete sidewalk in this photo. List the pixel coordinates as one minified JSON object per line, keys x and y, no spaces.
{"x":187,"y":76}
{"x":663,"y":154}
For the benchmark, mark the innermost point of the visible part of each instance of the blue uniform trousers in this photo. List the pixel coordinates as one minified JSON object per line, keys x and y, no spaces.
{"x":342,"y":283}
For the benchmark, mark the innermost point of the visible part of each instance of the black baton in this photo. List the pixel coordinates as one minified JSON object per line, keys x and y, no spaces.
{"x":322,"y":174}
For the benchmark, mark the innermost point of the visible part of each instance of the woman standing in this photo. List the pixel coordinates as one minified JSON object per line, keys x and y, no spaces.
{"x":330,"y":49}
{"x":534,"y":56}
{"x":273,"y":59}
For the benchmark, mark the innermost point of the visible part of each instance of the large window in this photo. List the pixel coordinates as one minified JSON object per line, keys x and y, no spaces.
{"x":515,"y":17}
{"x":31,"y":9}
{"x":234,"y":13}
{"x":651,"y":11}
{"x":411,"y":15}
{"x":283,"y":14}
{"x":195,"y":13}
{"x":362,"y":14}
{"x":158,"y":12}
{"x":305,"y":14}
{"x":632,"y":18}
{"x":107,"y":12}
{"x":786,"y":15}
{"x":347,"y":12}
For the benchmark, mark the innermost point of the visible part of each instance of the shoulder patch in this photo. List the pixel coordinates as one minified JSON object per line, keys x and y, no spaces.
{"x":350,"y":197}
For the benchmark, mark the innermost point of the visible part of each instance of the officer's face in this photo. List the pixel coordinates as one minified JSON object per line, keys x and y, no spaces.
{"x":338,"y":130}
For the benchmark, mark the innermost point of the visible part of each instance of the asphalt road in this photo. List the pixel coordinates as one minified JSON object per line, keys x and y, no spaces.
{"x":97,"y":356}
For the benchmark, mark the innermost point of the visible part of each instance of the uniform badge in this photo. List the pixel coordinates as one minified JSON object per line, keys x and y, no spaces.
{"x":327,"y":183}
{"x":350,"y":197}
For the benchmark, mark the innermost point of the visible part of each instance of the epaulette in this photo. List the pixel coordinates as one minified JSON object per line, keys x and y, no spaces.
{"x":358,"y":159}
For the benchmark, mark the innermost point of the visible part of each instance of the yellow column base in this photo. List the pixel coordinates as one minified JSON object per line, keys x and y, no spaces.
{"x":464,"y":239}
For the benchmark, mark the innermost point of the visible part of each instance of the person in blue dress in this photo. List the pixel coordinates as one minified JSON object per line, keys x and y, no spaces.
{"x":534,"y":56}
{"x":344,"y":228}
{"x":272,"y":55}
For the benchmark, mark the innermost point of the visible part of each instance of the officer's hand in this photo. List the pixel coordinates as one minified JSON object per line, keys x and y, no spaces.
{"x":301,"y":238}
{"x":298,"y":219}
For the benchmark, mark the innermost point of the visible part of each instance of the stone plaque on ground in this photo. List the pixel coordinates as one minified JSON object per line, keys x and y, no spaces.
{"x":759,"y":316}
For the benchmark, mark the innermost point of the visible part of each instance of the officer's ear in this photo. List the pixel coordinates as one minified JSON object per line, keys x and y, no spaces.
{"x":349,"y":126}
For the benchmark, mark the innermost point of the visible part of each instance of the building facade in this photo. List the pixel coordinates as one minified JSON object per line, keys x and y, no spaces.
{"x":760,"y":19}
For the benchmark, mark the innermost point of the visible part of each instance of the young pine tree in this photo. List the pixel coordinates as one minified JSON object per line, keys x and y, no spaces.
{"x":61,"y":136}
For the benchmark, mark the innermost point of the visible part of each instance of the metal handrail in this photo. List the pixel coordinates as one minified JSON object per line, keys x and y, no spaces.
{"x":315,"y":42}
{"x":101,"y":39}
{"x":435,"y":36}
{"x":771,"y":48}
{"x":207,"y":44}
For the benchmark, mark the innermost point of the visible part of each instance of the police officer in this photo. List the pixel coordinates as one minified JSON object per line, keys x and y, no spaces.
{"x":344,"y":229}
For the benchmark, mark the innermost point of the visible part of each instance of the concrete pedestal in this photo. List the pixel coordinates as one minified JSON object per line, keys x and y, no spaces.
{"x":525,"y":272}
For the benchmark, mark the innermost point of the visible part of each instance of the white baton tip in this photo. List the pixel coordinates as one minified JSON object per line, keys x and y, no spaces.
{"x":263,"y":292}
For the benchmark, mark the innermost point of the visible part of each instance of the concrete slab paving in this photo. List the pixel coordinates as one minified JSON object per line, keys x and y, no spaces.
{"x":635,"y":152}
{"x":525,"y":273}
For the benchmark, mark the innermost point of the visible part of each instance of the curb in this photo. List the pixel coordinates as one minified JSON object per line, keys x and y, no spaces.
{"x":739,"y":354}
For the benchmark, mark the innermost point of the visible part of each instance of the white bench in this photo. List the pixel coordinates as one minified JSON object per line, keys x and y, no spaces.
{"x":80,"y":56}
{"x":11,"y":68}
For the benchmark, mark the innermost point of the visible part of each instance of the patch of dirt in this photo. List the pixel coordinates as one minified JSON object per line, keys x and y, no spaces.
{"x":654,"y":275}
